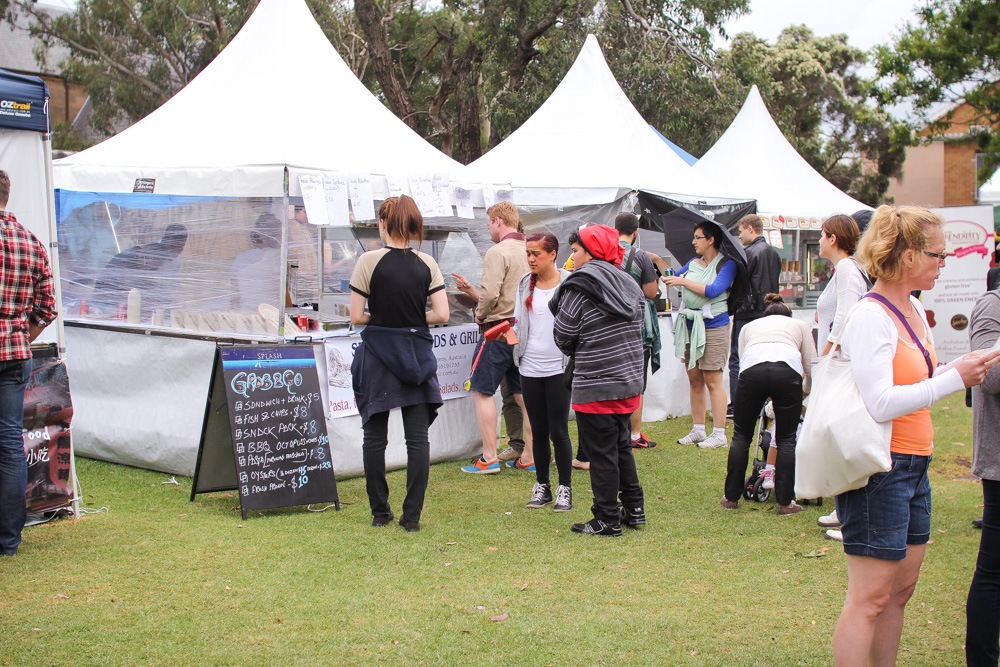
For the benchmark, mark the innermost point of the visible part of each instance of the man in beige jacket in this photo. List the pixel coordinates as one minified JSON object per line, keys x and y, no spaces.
{"x":503,"y":266}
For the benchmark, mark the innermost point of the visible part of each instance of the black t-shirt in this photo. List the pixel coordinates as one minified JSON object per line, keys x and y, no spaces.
{"x":396,"y":283}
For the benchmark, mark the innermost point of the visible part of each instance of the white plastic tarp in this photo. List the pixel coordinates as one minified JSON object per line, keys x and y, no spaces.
{"x":755,"y":161}
{"x":586,"y":144}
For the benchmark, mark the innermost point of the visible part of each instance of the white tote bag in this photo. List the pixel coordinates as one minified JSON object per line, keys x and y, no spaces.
{"x":841,"y":445}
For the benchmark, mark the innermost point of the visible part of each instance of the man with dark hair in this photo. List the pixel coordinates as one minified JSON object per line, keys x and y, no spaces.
{"x":26,"y":308}
{"x":639,"y":265}
{"x":764,"y":268}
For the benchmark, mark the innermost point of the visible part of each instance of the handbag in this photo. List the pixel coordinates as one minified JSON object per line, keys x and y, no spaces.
{"x":841,"y":444}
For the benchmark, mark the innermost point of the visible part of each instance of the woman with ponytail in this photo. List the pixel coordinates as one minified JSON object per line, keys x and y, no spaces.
{"x":886,"y":524}
{"x":394,"y":366}
{"x":776,"y":354}
{"x":542,"y":367}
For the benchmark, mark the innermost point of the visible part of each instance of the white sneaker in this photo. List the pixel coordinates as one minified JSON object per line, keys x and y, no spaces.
{"x":692,"y":438}
{"x":831,"y":520}
{"x":714,"y":441}
{"x":767,"y":475}
{"x":835,"y":535}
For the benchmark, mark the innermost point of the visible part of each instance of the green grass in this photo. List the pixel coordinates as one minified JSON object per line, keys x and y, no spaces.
{"x":158,"y":580}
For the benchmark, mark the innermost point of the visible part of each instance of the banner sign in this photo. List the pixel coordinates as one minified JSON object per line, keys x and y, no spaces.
{"x":47,"y":415}
{"x":24,"y":102}
{"x":968,"y":235}
{"x":454,"y":346}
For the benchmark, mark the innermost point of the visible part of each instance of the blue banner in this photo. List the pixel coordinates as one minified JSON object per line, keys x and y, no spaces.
{"x":24,"y":102}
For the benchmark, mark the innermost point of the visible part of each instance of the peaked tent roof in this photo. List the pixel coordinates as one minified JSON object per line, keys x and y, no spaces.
{"x":585,"y":143}
{"x":687,"y":157}
{"x":278,"y":95}
{"x":754,"y":159}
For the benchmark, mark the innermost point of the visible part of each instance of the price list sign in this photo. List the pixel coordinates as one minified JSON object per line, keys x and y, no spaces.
{"x":279,"y":444}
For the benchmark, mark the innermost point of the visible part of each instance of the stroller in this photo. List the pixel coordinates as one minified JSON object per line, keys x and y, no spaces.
{"x":753,"y":487}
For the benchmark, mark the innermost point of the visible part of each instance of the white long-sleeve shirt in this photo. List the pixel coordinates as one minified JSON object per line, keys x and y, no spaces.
{"x":869,"y":342}
{"x":844,"y":290}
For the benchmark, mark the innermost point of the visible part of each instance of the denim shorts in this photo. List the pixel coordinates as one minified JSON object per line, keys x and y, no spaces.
{"x":496,"y":362}
{"x":892,"y":511}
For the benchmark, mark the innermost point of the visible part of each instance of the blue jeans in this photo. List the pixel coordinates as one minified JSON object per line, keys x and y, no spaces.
{"x":13,"y":465}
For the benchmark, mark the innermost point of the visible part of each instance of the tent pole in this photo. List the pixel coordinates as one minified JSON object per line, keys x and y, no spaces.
{"x":50,"y":204}
{"x":284,"y":257}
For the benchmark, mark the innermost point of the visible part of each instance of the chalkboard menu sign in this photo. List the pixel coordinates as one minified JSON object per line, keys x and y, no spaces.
{"x":278,"y":452}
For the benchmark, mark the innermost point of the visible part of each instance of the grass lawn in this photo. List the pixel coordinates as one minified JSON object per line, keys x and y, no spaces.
{"x":158,"y":580}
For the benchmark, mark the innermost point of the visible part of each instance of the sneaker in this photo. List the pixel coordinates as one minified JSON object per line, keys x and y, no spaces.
{"x":541,"y":495}
{"x":581,"y":465}
{"x":564,"y":499}
{"x":643,"y":443}
{"x":831,"y":520}
{"x":597,"y":527}
{"x":481,"y":467}
{"x":633,"y":517}
{"x":692,"y":438}
{"x":767,"y":475}
{"x":508,"y":454}
{"x":517,"y":464}
{"x":729,"y":504}
{"x":834,"y":535}
{"x":788,"y":510}
{"x":714,"y":441}
{"x":380,"y":520}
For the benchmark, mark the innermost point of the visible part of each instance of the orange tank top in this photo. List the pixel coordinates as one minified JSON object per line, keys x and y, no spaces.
{"x":912,"y":433}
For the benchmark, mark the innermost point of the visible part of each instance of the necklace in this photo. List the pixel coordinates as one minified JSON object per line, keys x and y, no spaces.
{"x":913,"y":311}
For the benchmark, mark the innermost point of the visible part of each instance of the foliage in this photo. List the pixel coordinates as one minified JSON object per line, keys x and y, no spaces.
{"x":951,"y":55}
{"x":65,"y":137}
{"x":159,"y":580}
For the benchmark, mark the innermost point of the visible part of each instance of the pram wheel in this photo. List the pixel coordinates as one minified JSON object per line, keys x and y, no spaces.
{"x":760,"y":494}
{"x":748,"y":486}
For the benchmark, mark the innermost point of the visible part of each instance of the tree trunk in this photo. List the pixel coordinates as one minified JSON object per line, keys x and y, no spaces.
{"x":467,"y":102}
{"x":377,"y":39}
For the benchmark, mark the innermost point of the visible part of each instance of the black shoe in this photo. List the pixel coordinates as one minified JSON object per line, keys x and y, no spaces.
{"x":541,"y":495}
{"x":633,"y":517}
{"x":380,"y":520}
{"x":978,"y":523}
{"x":597,"y":527}
{"x":410,"y":526}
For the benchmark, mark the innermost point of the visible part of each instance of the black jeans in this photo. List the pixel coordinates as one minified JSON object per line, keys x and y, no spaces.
{"x":547,"y":402}
{"x":416,"y":421}
{"x":982,"y":610}
{"x":734,"y":356}
{"x":777,"y":380}
{"x":607,"y":440}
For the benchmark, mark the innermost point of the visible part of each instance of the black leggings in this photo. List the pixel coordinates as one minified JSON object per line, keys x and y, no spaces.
{"x":983,"y":608}
{"x":416,"y":421}
{"x":546,"y":401}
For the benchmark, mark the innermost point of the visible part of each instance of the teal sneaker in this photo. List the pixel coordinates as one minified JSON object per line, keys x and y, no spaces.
{"x":481,"y":467}
{"x":516,"y":463}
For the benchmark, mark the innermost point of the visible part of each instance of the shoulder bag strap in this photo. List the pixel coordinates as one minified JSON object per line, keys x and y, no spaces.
{"x":899,"y":315}
{"x":864,"y":274}
{"x":631,"y":256}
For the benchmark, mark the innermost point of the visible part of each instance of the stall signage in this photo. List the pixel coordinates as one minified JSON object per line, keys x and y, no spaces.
{"x":24,"y":102}
{"x":454,"y":347}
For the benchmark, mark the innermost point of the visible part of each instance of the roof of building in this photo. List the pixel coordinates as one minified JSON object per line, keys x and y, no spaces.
{"x":17,"y":46}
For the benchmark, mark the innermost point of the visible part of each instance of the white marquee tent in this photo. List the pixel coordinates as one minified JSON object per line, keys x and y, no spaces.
{"x":755,"y":160}
{"x":278,"y":95}
{"x":277,"y":99}
{"x":989,"y":192}
{"x":587,"y":144}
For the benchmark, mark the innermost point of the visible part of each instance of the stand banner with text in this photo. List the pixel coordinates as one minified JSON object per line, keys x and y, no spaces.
{"x":968,"y":236}
{"x":454,"y":346}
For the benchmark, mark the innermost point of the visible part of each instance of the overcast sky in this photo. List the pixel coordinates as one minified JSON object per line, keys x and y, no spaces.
{"x":866,"y":22}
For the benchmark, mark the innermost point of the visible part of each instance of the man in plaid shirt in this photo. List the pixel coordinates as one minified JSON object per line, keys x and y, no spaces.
{"x":26,"y":308}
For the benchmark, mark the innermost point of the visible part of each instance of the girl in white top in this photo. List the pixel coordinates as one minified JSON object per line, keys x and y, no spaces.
{"x":837,"y":244}
{"x":542,"y":365}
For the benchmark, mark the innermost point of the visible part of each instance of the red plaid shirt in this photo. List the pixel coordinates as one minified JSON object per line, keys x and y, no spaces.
{"x":25,"y":288}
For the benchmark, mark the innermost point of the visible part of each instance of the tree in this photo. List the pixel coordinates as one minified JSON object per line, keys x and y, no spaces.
{"x":949,"y":56}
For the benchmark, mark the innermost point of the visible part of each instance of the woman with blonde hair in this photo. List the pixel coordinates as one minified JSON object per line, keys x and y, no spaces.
{"x":886,"y":524}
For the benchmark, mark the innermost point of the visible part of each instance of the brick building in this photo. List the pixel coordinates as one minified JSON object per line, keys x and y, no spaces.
{"x":942,"y":173}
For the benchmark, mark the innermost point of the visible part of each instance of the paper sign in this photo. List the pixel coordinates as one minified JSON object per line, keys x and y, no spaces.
{"x":774,"y":238}
{"x":463,"y":202}
{"x":398,"y":185}
{"x":422,"y":191}
{"x":442,"y":198}
{"x":505,"y":195}
{"x":488,"y":197}
{"x":361,"y":196}
{"x":314,"y":198}
{"x":336,"y":188}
